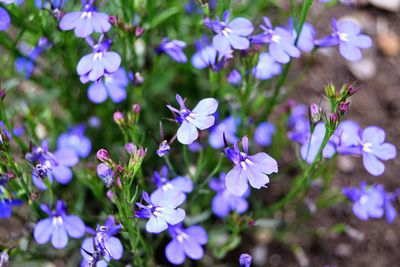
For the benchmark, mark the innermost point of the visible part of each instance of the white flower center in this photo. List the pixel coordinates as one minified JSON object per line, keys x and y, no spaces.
{"x":364,"y":200}
{"x":276,"y":38}
{"x":87,"y":15}
{"x":344,"y":37}
{"x":98,"y":56}
{"x":57,"y":221}
{"x":167,"y":186}
{"x":367,"y":147}
{"x":181,"y":237}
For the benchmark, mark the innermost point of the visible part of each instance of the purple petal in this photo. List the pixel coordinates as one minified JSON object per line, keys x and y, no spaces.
{"x":241,"y":26}
{"x":220,"y":206}
{"x":348,"y":27}
{"x":263,"y":134}
{"x":187,"y":133}
{"x":360,"y":211}
{"x":87,"y":245}
{"x":197,"y":233}
{"x":5,"y":19}
{"x":172,"y":216}
{"x":43,"y":230}
{"x":278,"y":53}
{"x":264,"y":163}
{"x":363,"y":41}
{"x":111,"y":61}
{"x":100,"y":22}
{"x":97,"y":70}
{"x":59,"y":237}
{"x":85,"y":64}
{"x":114,"y":246}
{"x":62,"y":174}
{"x":174,"y":252}
{"x":373,"y":135}
{"x":117,"y":94}
{"x":5,"y":209}
{"x":156,"y":225}
{"x":206,"y":106}
{"x":97,"y":92}
{"x":372,"y":164}
{"x":236,"y":181}
{"x":350,"y":51}
{"x":385,"y":151}
{"x":74,"y":226}
{"x":256,"y":178}
{"x":238,"y":204}
{"x":70,"y":21}
{"x":221,"y":44}
{"x":173,"y":199}
{"x":84,"y":27}
{"x":193,"y":249}
{"x":328,"y":41}
{"x":238,"y":42}
{"x":183,"y":184}
{"x":66,"y":157}
{"x":202,"y":122}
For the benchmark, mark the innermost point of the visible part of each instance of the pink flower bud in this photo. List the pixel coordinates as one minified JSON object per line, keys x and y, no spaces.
{"x":118,"y":117}
{"x":102,"y":155}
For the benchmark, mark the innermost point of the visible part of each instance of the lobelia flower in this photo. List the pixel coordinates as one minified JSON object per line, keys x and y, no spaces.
{"x":264,"y":133}
{"x":176,"y":186}
{"x":190,"y":120}
{"x":306,"y":39}
{"x":161,"y":212}
{"x":6,"y":204}
{"x":266,"y":67}
{"x":309,"y":149}
{"x":85,"y":22}
{"x":106,"y":174}
{"x":4,"y":259}
{"x":245,"y":260}
{"x":163,"y":149}
{"x":388,"y":198}
{"x":224,"y":202}
{"x":185,"y":243}
{"x":230,"y":34}
{"x":26,"y":64}
{"x":227,"y":127}
{"x":51,"y":165}
{"x":207,"y":56}
{"x":346,"y":138}
{"x":75,"y":140}
{"x":58,"y":226}
{"x":5,"y":19}
{"x":93,"y":66}
{"x":174,"y":49}
{"x":346,"y":35}
{"x":298,"y":124}
{"x":248,"y":169}
{"x":374,"y":150}
{"x":281,"y":41}
{"x":368,"y":202}
{"x":113,"y":85}
{"x":103,"y":246}
{"x":234,"y":78}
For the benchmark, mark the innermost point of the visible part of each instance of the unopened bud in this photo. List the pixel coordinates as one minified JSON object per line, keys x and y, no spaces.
{"x":141,"y":152}
{"x":102,"y":155}
{"x":136,"y":108}
{"x":130,"y":148}
{"x":2,"y":94}
{"x":330,"y":90}
{"x":163,"y":149}
{"x":352,"y":90}
{"x":343,"y":107}
{"x":315,"y":113}
{"x":334,"y":118}
{"x":118,"y":117}
{"x":138,"y":79}
{"x":139,"y":31}
{"x":113,"y":20}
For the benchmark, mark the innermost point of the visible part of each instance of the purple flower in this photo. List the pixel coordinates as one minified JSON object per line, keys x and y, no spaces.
{"x":208,"y":57}
{"x":5,"y":19}
{"x":245,"y":260}
{"x":347,"y":138}
{"x":49,"y":165}
{"x":281,"y":41}
{"x":374,"y":150}
{"x":347,"y":35}
{"x":185,"y":243}
{"x":266,"y":67}
{"x":75,"y":140}
{"x":163,"y":149}
{"x":174,"y":49}
{"x":176,"y":186}
{"x":161,"y":212}
{"x":388,"y":198}
{"x":58,"y":226}
{"x":230,"y":34}
{"x":224,"y":202}
{"x":106,"y":174}
{"x":113,"y":86}
{"x":86,"y":21}
{"x":253,"y":169}
{"x":93,"y":66}
{"x":298,"y":124}
{"x":234,"y":77}
{"x":227,"y":127}
{"x":103,"y":246}
{"x":200,"y":117}
{"x":368,"y":202}
{"x":310,"y":148}
{"x":6,"y":204}
{"x":263,"y":134}
{"x":306,"y":39}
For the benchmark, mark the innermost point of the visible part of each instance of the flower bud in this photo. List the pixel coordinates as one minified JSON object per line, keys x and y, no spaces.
{"x":245,"y":260}
{"x":2,"y":94}
{"x":333,"y":119}
{"x":351,"y":90}
{"x":330,"y":90}
{"x":315,"y":113}
{"x":343,"y":108}
{"x":102,"y":155}
{"x":130,"y":148}
{"x":136,"y":108}
{"x":163,"y":149}
{"x":139,"y":31}
{"x":4,"y":259}
{"x":113,"y":20}
{"x":118,"y":117}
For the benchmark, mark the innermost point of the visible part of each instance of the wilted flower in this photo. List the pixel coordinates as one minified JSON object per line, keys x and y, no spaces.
{"x":103,"y":246}
{"x":200,"y":117}
{"x":161,"y":212}
{"x":346,"y":35}
{"x":86,"y":21}
{"x":163,"y":149}
{"x":230,"y":34}
{"x":253,"y":169}
{"x":106,"y":174}
{"x":113,"y":85}
{"x":93,"y":66}
{"x":58,"y":226}
{"x":185,"y":243}
{"x":224,"y":202}
{"x":174,"y":49}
